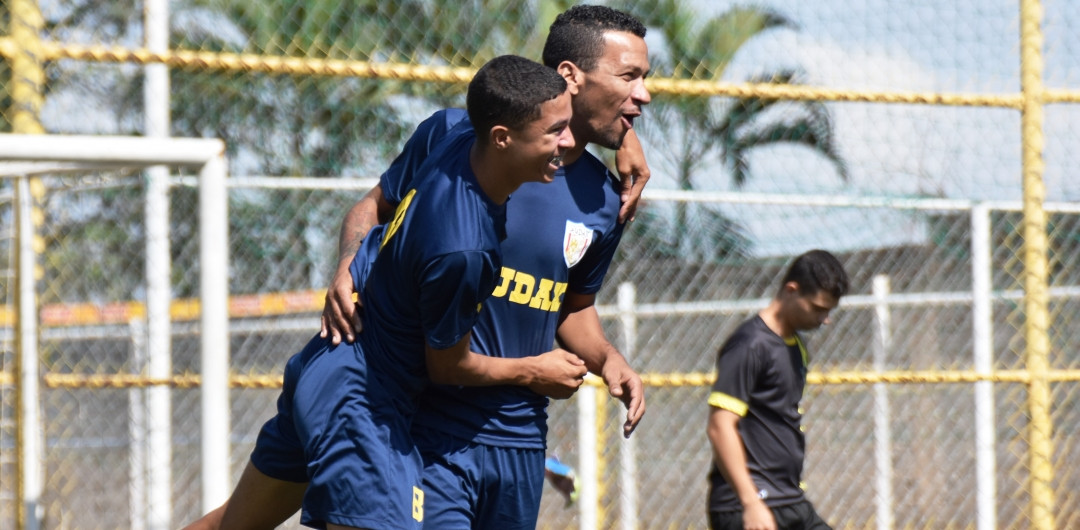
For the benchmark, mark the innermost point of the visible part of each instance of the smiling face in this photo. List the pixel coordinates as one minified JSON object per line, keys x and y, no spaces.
{"x":611,"y":95}
{"x":539,"y":145}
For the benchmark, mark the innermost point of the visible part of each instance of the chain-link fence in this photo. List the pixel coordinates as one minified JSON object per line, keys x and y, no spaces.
{"x":896,"y":135}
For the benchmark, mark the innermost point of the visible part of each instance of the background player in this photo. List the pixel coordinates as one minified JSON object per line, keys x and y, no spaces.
{"x":754,"y":419}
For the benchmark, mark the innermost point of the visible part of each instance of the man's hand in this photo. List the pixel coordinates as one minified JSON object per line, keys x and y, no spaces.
{"x":625,"y":385}
{"x":758,"y":516}
{"x":558,"y":374}
{"x":341,"y":315}
{"x":633,"y":173}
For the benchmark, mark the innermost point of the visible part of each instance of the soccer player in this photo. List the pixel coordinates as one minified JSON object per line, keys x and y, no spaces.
{"x":483,"y":447}
{"x":754,"y":419}
{"x":347,"y":409}
{"x":560,"y":240}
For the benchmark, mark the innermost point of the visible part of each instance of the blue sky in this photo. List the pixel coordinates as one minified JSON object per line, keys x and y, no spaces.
{"x":960,"y":46}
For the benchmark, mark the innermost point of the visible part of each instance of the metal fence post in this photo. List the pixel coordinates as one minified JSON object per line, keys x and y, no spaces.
{"x":158,"y":275}
{"x":214,"y":332}
{"x":628,"y":497}
{"x":882,"y":428}
{"x":982,"y":338}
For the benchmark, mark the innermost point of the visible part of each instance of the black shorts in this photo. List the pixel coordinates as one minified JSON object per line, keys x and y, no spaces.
{"x":798,"y":516}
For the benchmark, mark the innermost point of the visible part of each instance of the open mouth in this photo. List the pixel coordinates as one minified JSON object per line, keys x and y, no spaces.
{"x":556,"y":160}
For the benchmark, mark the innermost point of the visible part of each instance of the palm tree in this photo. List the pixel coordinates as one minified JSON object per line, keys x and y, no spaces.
{"x":701,"y":126}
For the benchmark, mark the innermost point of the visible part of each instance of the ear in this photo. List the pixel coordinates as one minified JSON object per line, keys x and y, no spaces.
{"x":573,"y":75}
{"x":791,"y":288}
{"x":500,"y":137}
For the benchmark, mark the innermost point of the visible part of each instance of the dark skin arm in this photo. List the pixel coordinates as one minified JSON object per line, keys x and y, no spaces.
{"x":557,"y":373}
{"x":580,"y":331}
{"x":341,"y":315}
{"x":633,"y":174}
{"x":730,"y":456}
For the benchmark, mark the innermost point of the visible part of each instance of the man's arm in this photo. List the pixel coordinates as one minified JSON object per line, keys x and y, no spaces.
{"x":341,"y":317}
{"x":580,"y":331}
{"x":557,"y":373}
{"x":633,"y":172}
{"x":730,"y":456}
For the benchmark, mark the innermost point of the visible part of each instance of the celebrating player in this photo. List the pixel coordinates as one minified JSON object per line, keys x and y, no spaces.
{"x":560,"y":240}
{"x":483,"y":447}
{"x":346,"y":410}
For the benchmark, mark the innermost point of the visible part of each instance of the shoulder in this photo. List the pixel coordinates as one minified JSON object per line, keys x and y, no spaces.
{"x":752,"y":335}
{"x":451,"y":211}
{"x":595,"y":191}
{"x":592,"y":170}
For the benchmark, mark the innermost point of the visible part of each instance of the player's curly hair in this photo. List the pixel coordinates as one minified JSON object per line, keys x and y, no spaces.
{"x":508,"y":91}
{"x":577,"y":35}
{"x":818,"y":270}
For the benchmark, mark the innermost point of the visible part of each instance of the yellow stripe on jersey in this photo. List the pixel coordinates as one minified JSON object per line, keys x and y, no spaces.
{"x":794,"y":340}
{"x":726,"y":402}
{"x":399,"y":217}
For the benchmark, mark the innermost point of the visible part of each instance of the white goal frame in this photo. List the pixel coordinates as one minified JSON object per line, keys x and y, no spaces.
{"x":29,"y":155}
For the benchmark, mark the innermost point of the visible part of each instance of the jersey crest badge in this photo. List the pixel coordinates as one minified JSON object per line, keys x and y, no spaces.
{"x":576,"y":241}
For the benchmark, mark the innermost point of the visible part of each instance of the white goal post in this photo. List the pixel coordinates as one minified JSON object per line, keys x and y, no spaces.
{"x":29,"y":155}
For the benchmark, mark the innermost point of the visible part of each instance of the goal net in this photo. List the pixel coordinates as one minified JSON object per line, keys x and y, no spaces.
{"x":27,"y":160}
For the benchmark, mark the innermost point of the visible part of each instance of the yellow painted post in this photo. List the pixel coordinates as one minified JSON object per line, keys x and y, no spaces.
{"x":27,"y":79}
{"x":1036,"y":290}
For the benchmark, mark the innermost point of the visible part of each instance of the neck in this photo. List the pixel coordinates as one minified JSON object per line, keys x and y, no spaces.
{"x":490,"y":175}
{"x":774,"y":320}
{"x":572,"y":155}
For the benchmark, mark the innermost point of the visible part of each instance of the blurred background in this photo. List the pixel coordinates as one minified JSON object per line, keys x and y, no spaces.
{"x":928,"y":144}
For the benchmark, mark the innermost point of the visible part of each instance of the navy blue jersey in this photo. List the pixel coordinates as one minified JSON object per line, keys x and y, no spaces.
{"x":761,"y":377}
{"x":437,"y":261}
{"x":345,"y":411}
{"x":561,"y":237}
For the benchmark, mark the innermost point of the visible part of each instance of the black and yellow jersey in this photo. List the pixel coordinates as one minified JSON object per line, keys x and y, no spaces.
{"x":761,"y":376}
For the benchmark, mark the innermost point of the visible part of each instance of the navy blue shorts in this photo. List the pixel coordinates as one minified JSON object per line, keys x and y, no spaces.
{"x":354,"y":451}
{"x":469,"y":485}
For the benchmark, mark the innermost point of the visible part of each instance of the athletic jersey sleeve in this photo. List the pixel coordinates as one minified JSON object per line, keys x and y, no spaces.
{"x":453,"y":287}
{"x":398,"y":178}
{"x":587,"y":276}
{"x":736,"y":371}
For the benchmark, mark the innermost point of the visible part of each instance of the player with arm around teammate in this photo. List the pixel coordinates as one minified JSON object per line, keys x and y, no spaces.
{"x":484,"y":447}
{"x":578,"y":211}
{"x":754,"y":420}
{"x":345,"y":411}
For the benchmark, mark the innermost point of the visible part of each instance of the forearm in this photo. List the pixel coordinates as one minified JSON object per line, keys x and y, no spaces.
{"x":369,"y":211}
{"x":582,"y":333}
{"x":557,"y":373}
{"x":631,"y":148}
{"x":730,"y":456}
{"x":474,"y":369}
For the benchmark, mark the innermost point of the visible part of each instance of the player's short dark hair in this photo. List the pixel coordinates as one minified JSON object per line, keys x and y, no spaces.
{"x":818,"y":270}
{"x":577,"y":35}
{"x":508,"y":91}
